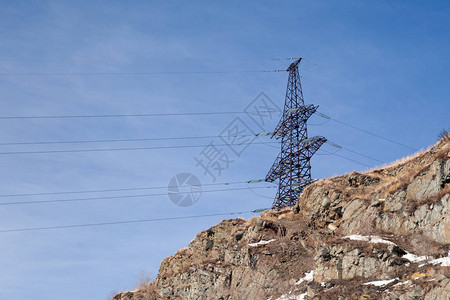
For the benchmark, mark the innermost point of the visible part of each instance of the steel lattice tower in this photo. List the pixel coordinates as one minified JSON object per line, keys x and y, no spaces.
{"x":292,"y":167}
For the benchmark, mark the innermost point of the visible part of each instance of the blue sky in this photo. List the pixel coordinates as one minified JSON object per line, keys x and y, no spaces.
{"x":382,"y":66}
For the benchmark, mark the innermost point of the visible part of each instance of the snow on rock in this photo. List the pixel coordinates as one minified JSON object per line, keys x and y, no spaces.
{"x":403,"y":283}
{"x":292,"y":297}
{"x":443,"y":261}
{"x":414,"y":258}
{"x":261,"y":243}
{"x":301,"y":296}
{"x":371,"y":239}
{"x":308,"y":277}
{"x":380,"y":282}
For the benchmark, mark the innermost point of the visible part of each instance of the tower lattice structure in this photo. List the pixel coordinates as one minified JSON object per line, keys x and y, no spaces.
{"x":292,"y":167}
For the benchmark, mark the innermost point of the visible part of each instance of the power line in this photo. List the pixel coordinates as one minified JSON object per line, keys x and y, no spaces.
{"x":150,"y":188}
{"x":132,"y":115}
{"x":262,"y":134}
{"x":138,"y":73}
{"x":149,"y":60}
{"x":193,"y":114}
{"x":156,"y":139}
{"x":117,"y":190}
{"x":117,"y":197}
{"x":374,"y":134}
{"x":129,"y":221}
{"x":255,"y":193}
{"x":365,"y":131}
{"x":120,"y":140}
{"x":372,"y":158}
{"x":151,"y":148}
{"x":352,"y":151}
{"x":349,"y":159}
{"x":116,"y":149}
{"x":172,"y":138}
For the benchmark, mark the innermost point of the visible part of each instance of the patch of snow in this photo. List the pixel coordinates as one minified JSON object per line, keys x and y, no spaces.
{"x":308,"y":277}
{"x":371,"y":239}
{"x":323,"y":284}
{"x":443,"y":261}
{"x":382,"y":199}
{"x":357,"y":237}
{"x":261,"y":243}
{"x":403,"y":283}
{"x":293,"y":297}
{"x":414,"y":258}
{"x":381,"y":282}
{"x":377,"y":240}
{"x":301,"y":296}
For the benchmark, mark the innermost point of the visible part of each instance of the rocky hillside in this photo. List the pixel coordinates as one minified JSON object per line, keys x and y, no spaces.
{"x":382,"y":234}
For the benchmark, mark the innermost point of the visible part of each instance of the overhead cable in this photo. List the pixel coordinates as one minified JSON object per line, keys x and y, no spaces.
{"x":116,"y":197}
{"x":130,"y":221}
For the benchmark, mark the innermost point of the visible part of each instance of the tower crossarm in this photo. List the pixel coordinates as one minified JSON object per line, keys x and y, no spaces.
{"x":294,"y":65}
{"x":305,"y":152}
{"x":298,"y":115}
{"x":313,"y":145}
{"x":274,"y":172}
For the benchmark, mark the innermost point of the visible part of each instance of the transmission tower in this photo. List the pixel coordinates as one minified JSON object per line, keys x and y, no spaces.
{"x":292,"y":167}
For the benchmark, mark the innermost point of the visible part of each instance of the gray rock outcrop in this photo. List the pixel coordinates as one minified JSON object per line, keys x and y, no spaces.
{"x":382,"y":234}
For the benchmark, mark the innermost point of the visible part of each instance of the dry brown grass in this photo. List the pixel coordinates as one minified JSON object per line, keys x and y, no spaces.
{"x":444,"y":135}
{"x":146,"y":288}
{"x":392,"y":180}
{"x":442,"y":154}
{"x":400,"y":161}
{"x":146,"y":285}
{"x":444,"y":139}
{"x":413,"y":204}
{"x":112,"y":294}
{"x":143,"y":279}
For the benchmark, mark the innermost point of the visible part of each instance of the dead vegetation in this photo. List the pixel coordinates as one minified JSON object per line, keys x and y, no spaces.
{"x":444,"y":135}
{"x":415,"y":204}
{"x":299,"y":234}
{"x":146,"y":286}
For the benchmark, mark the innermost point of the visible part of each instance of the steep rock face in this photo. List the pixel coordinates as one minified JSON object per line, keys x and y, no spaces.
{"x":384,"y":234}
{"x":410,"y":197}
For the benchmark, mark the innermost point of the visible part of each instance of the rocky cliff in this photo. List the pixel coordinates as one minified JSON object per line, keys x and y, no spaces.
{"x":382,"y":234}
